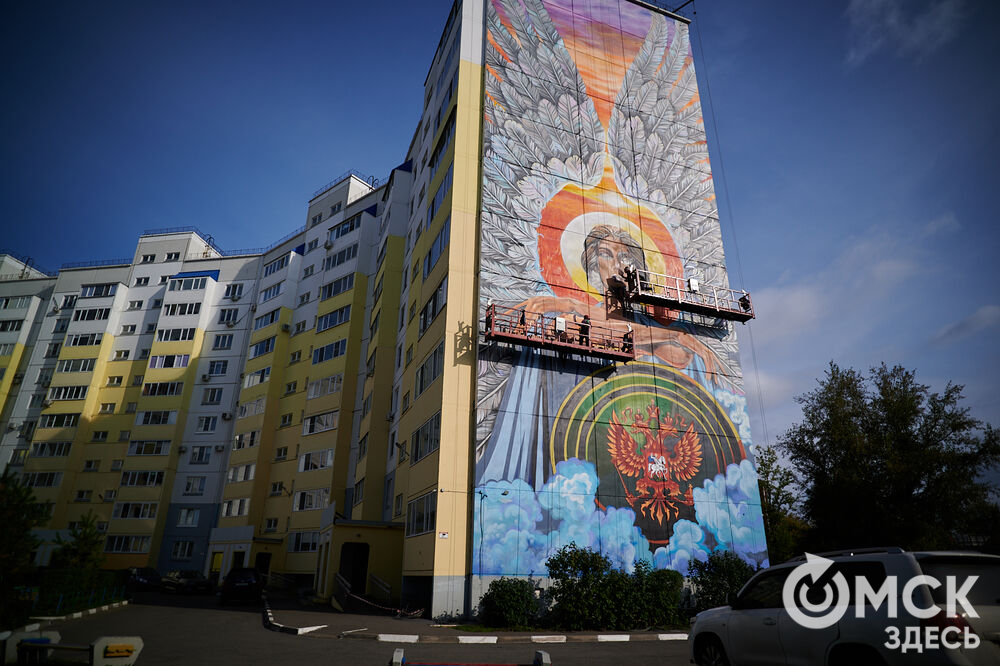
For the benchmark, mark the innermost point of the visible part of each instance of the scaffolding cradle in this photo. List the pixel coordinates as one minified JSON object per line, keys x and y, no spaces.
{"x":689,"y":295}
{"x":559,"y":334}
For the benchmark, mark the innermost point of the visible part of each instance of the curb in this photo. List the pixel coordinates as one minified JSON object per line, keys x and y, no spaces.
{"x":476,"y":639}
{"x":269,"y":622}
{"x":76,"y":615}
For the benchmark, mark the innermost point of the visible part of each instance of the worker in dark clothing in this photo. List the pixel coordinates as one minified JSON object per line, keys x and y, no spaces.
{"x":522,"y":324}
{"x":745,"y":302}
{"x":627,"y":340}
{"x":616,"y":287}
{"x":585,"y":331}
{"x":489,"y":317}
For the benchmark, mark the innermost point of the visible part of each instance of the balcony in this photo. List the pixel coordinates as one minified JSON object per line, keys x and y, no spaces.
{"x":688,"y":295}
{"x":558,"y":334}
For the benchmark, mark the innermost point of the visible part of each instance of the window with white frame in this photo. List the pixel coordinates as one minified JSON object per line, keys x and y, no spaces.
{"x":246,"y":440}
{"x":223,"y":341}
{"x":273,"y":267}
{"x":427,"y":438}
{"x":319,"y":422}
{"x":229,"y":315}
{"x":194,"y":485}
{"x":127,"y":544}
{"x":271,"y":292}
{"x":314,"y":460}
{"x":169,"y":361}
{"x":201,"y":455}
{"x":257,"y":377}
{"x":218,"y":367}
{"x":41,"y":479}
{"x":211,"y":396}
{"x":421,"y":514}
{"x":182,"y":551}
{"x":134,"y":510}
{"x":236,"y":507}
{"x":324,"y":386}
{"x":142,"y":478}
{"x":188,"y":284}
{"x":234,"y":291}
{"x":303,"y":542}
{"x":188,"y":517}
{"x":309,"y":500}
{"x":240,"y":473}
{"x":429,"y":370}
{"x":206,"y":424}
{"x":149,"y":447}
{"x":265,"y":346}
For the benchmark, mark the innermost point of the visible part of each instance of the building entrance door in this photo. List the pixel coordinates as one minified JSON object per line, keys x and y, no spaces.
{"x":354,"y":566}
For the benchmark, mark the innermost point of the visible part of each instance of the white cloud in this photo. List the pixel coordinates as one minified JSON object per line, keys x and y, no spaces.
{"x":910,"y":29}
{"x":942,"y":224}
{"x":986,"y":317}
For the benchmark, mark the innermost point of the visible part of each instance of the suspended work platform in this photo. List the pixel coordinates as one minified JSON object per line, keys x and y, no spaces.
{"x":561,"y":334}
{"x":688,"y":295}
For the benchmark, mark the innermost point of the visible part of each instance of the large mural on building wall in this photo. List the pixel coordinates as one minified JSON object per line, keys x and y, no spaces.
{"x":595,"y":158}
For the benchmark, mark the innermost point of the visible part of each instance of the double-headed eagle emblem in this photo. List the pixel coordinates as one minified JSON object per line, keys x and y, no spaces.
{"x":640,"y":449}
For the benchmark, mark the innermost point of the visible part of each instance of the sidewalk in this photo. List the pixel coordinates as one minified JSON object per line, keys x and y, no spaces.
{"x":320,"y":622}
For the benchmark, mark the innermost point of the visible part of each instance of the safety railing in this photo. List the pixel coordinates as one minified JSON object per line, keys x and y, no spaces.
{"x":516,"y":326}
{"x":688,"y":294}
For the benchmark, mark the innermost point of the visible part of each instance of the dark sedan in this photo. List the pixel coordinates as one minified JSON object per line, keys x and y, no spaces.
{"x":241,"y":584}
{"x":187,"y":581}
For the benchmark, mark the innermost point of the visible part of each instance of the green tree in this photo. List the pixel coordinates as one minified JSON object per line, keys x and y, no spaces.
{"x":881,"y":460}
{"x":19,"y":514}
{"x":714,"y":580}
{"x":84,"y":550}
{"x":783,"y":527}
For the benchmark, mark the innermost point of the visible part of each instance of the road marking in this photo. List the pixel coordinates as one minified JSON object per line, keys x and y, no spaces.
{"x":478,"y":639}
{"x":351,"y":631}
{"x":398,"y":638}
{"x":306,"y":630}
{"x":672,"y":637}
{"x":548,"y":639}
{"x":613,"y":638}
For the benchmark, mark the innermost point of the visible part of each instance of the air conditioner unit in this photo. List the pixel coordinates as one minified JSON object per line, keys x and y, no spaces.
{"x":227,"y":416}
{"x":55,"y":309}
{"x":205,"y":378}
{"x":182,"y":449}
{"x":253,"y":308}
{"x":12,"y":426}
{"x":234,"y":298}
{"x":46,"y":403}
{"x":328,"y":245}
{"x":230,"y":324}
{"x":219,"y":448}
{"x":285,"y":328}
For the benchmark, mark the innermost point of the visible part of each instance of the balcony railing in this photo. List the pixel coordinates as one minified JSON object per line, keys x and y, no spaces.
{"x":689,"y":295}
{"x":559,"y":334}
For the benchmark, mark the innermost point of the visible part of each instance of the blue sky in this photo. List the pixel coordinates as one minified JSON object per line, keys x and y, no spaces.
{"x":852,"y":144}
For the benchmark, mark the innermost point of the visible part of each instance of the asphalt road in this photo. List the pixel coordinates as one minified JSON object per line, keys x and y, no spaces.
{"x":196,"y":630}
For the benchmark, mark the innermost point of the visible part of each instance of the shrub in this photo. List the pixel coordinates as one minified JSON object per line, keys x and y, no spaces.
{"x":714,"y":580}
{"x":509,"y":602}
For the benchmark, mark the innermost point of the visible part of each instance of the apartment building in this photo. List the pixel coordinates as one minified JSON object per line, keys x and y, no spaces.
{"x":523,"y":337}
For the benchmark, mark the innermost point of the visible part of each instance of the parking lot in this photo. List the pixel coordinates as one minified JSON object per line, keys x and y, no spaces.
{"x":194,"y":629}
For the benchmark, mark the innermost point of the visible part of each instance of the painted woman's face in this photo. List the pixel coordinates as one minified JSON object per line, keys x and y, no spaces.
{"x":612,"y":257}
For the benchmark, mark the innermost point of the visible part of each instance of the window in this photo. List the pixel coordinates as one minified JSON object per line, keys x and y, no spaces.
{"x":281,"y":453}
{"x":92,"y":314}
{"x":234,"y":291}
{"x":98,"y":290}
{"x":438,"y":245}
{"x":421,"y":514}
{"x":60,"y":326}
{"x":295,"y":356}
{"x":211,"y":396}
{"x":124,"y":435}
{"x":128,"y":329}
{"x":265,"y":320}
{"x":41,"y":479}
{"x":144,"y":352}
{"x":345,"y":227}
{"x":148,"y":259}
{"x":217,"y":367}
{"x":435,"y":204}
{"x":115,"y":380}
{"x":67,"y":393}
{"x":14,"y":302}
{"x":309,"y":500}
{"x":366,"y":405}
{"x":335,"y":318}
{"x":181,"y":309}
{"x":107,"y":408}
{"x":188,"y":284}
{"x":157,"y":304}
{"x":239,"y":473}
{"x":316,"y":219}
{"x":223,"y":341}
{"x":141,"y":281}
{"x":169,"y":361}
{"x":142,"y":479}
{"x":434,"y":305}
{"x":251,"y":408}
{"x":319,"y":423}
{"x":406,"y":401}
{"x":200,"y":455}
{"x":174,"y":334}
{"x":229,"y":315}
{"x":160,"y":417}
{"x":277,"y":488}
{"x":121,"y":355}
{"x":363,"y":447}
{"x":257,"y":377}
{"x":127,"y":543}
{"x":327,"y":352}
{"x":159,"y":447}
{"x":275,"y":266}
{"x":429,"y":370}
{"x":10,"y":325}
{"x":286,"y":420}
{"x":308,"y":270}
{"x":137,"y":380}
{"x":206,"y":424}
{"x":82,"y":340}
{"x":135,"y":305}
{"x":303,"y":542}
{"x":52,"y":350}
{"x":236,"y":507}
{"x":339,"y":258}
{"x":312,"y":245}
{"x":188,"y":517}
{"x":269,"y":293}
{"x":324,"y":386}
{"x":50,"y":449}
{"x":335,"y":208}
{"x":314,"y":460}
{"x":173,"y":256}
{"x":304,"y":298}
{"x":300,"y":326}
{"x":164,"y":279}
{"x":338,"y":286}
{"x":409,"y":354}
{"x":263,"y":347}
{"x":246,"y":440}
{"x":162,"y":388}
{"x":427,"y":438}
{"x":59,"y":420}
{"x":99,"y":436}
{"x":270,"y":524}
{"x":182,"y":550}
{"x":194,"y":485}
{"x":150,"y":328}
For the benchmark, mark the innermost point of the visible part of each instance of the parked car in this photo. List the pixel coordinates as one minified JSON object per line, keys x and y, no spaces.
{"x":242,"y":585}
{"x":186,"y":581}
{"x":756,"y":629}
{"x":143,"y":577}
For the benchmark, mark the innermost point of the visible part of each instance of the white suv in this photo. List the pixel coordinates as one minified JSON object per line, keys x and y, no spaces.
{"x":757,"y":630}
